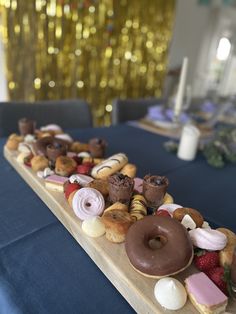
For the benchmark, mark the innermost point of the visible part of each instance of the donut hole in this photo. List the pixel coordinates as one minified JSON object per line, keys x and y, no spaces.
{"x":157,"y":243}
{"x":88,"y":204}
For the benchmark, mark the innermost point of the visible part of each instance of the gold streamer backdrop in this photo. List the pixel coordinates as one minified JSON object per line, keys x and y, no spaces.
{"x":97,"y":50}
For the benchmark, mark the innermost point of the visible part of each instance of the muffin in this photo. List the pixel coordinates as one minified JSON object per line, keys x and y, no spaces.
{"x":117,"y":223}
{"x":65,"y":166}
{"x":120,"y":188}
{"x":154,"y":189}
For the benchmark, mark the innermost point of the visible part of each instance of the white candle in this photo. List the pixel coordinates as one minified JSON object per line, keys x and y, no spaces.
{"x":188,"y":143}
{"x":181,"y":87}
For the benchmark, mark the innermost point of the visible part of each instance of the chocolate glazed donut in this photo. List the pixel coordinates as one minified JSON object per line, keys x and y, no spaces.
{"x":174,"y":254}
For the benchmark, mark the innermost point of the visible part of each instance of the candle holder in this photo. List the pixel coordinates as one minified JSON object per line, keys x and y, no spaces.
{"x":176,"y":118}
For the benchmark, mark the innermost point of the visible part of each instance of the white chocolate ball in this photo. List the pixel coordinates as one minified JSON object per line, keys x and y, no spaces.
{"x":170,"y":293}
{"x":93,"y":227}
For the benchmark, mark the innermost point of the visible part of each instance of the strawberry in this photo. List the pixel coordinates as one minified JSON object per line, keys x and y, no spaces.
{"x":162,"y":212}
{"x":85,"y":168}
{"x":70,"y":187}
{"x":77,"y":159}
{"x":217,"y":275}
{"x":27,"y":160}
{"x":206,"y":260}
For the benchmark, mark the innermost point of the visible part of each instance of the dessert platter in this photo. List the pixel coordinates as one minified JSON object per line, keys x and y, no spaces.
{"x":159,"y":255}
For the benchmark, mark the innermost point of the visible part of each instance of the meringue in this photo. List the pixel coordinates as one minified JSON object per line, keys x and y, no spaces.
{"x":84,"y":154}
{"x":51,"y":127}
{"x":208,"y":239}
{"x":82,"y":179}
{"x":88,"y":202}
{"x":170,"y":208}
{"x":47,"y":172}
{"x":170,"y":293}
{"x":64,"y":137}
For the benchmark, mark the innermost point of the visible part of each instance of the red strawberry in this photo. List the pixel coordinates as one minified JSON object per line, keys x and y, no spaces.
{"x":71,"y":187}
{"x":162,"y":212}
{"x":77,"y":159}
{"x":85,"y":168}
{"x":217,"y":275}
{"x":206,"y":260}
{"x":27,"y":160}
{"x":88,"y":164}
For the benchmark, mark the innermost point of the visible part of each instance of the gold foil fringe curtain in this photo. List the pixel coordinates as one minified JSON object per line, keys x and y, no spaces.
{"x":92,"y":49}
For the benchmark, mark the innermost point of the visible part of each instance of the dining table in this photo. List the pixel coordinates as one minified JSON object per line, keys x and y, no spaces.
{"x":44,"y":270}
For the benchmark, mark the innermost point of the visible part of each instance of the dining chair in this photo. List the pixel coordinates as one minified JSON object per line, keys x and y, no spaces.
{"x":132,"y":109}
{"x":69,"y":114}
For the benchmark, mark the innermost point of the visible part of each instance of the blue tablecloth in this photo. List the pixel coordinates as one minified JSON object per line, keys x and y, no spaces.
{"x":44,"y":270}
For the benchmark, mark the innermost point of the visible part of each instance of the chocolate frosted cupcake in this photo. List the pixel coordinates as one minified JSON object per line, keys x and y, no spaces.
{"x":120,"y":188}
{"x":26,"y":126}
{"x":154,"y":189}
{"x":97,"y":147}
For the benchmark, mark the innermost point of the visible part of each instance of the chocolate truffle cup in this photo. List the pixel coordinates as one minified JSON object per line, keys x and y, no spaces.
{"x":154,"y":190}
{"x":55,"y":150}
{"x":26,"y":126}
{"x":120,"y":188}
{"x":97,"y":147}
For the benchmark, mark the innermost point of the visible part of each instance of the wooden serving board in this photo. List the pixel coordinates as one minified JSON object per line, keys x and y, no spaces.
{"x":111,"y":258}
{"x":174,"y":133}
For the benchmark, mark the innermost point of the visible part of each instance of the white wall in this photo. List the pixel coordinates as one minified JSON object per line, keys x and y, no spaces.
{"x":3,"y":81}
{"x":189,"y":29}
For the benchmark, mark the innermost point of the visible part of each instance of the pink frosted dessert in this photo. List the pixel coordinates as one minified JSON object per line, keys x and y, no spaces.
{"x":55,"y":183}
{"x":208,"y":239}
{"x":205,"y":295}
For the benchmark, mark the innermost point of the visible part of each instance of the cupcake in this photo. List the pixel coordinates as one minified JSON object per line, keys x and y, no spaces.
{"x":117,"y":223}
{"x":154,"y":189}
{"x":97,"y":147}
{"x":120,"y":188}
{"x":26,"y":126}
